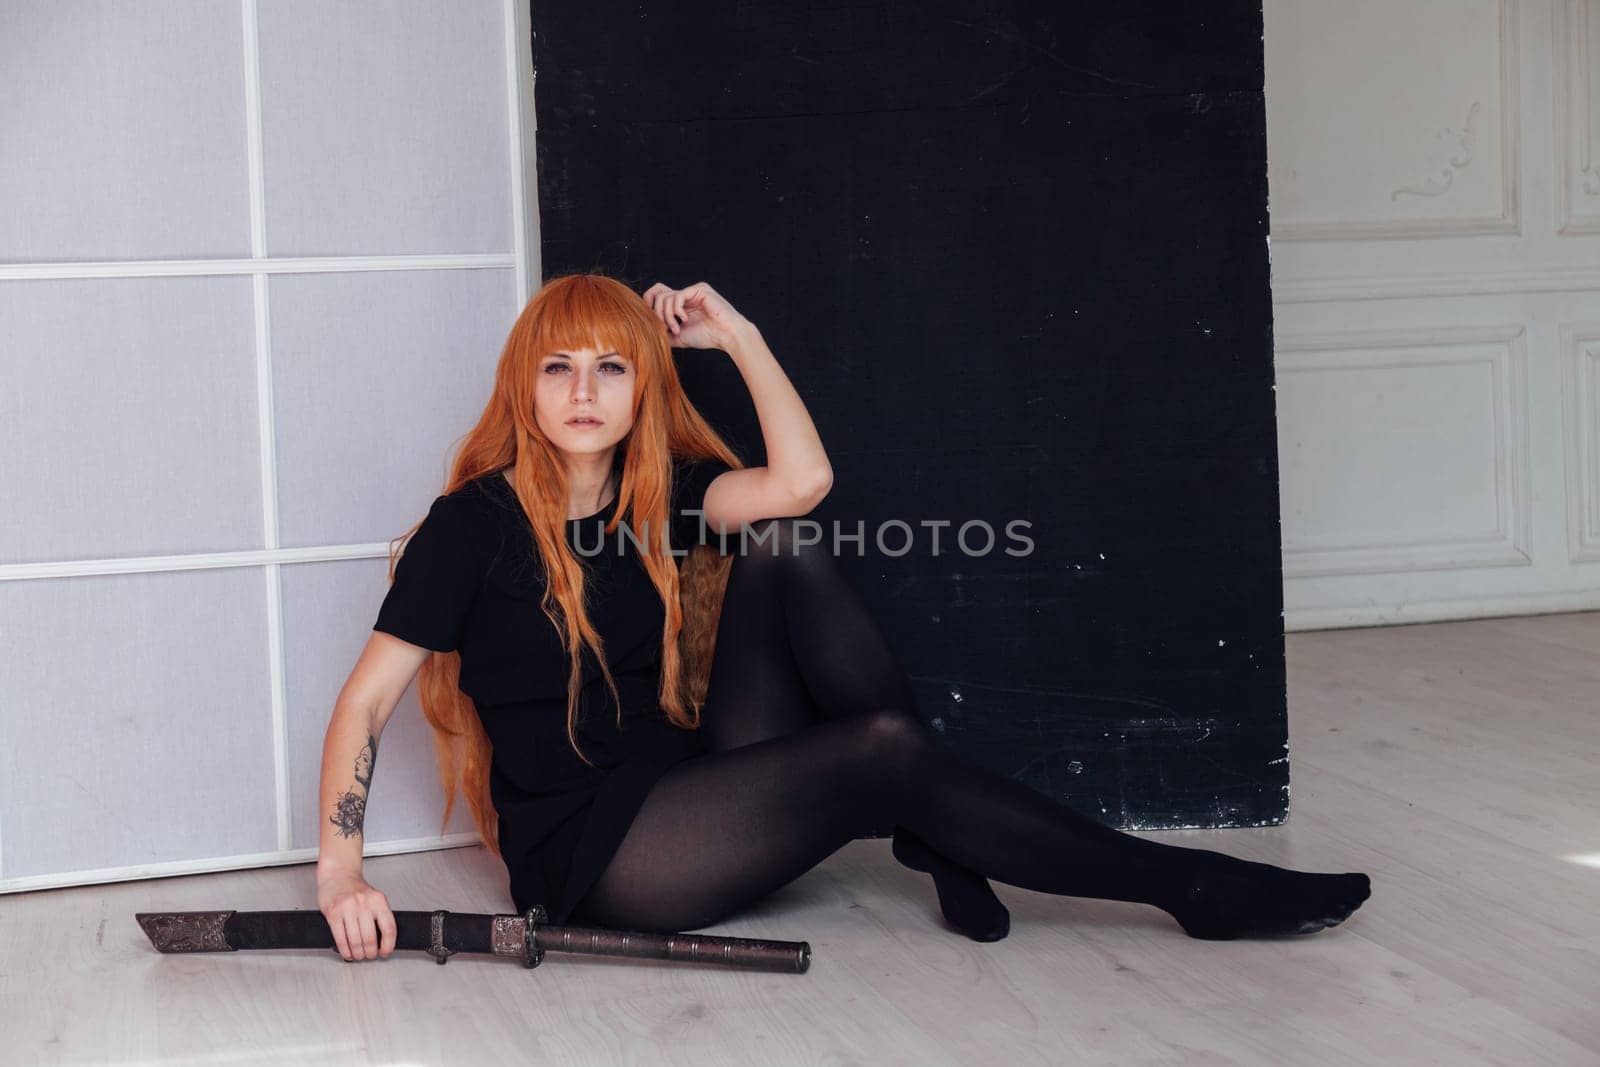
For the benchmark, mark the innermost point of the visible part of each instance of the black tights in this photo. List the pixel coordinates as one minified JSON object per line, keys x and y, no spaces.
{"x":814,"y":740}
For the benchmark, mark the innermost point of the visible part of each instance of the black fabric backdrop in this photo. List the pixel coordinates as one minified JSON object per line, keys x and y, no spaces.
{"x":1014,"y":257}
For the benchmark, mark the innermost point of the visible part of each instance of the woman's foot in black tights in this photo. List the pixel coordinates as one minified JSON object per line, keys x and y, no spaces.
{"x":1217,"y":898}
{"x":964,"y":896}
{"x":1221,"y":898}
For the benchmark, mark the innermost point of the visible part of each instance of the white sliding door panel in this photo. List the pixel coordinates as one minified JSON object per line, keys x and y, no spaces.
{"x":128,"y":418}
{"x":135,"y":728}
{"x":375,"y":375}
{"x":258,"y":262}
{"x":413,"y":156}
{"x":121,"y":131}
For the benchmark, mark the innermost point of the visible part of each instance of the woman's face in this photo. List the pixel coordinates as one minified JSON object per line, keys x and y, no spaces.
{"x":584,"y":384}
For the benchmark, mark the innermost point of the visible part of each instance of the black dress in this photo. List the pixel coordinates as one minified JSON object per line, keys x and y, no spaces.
{"x":469,"y":580}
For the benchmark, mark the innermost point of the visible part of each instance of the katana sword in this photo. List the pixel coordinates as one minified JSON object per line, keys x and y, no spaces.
{"x":441,"y":934}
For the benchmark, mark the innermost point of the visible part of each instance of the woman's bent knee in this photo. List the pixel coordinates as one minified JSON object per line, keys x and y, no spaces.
{"x":793,"y":539}
{"x":894,"y":735}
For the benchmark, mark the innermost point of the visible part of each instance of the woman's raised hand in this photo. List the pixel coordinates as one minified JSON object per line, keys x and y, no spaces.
{"x":697,"y":316}
{"x":359,"y":916}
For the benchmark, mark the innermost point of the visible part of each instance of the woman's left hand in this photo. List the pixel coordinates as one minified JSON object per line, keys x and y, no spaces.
{"x":696,"y":316}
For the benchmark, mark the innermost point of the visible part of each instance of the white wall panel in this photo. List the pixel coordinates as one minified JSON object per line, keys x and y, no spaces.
{"x":1580,"y":358}
{"x":1422,"y":142}
{"x":127,"y":418}
{"x":1352,"y":422}
{"x":374,"y":377}
{"x":135,"y":724}
{"x":159,"y":171}
{"x":328,"y":611}
{"x":1435,"y":300}
{"x":1577,"y":110}
{"x":1404,"y":450}
{"x":412,"y":155}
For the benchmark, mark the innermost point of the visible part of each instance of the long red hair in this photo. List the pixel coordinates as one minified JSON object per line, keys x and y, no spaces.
{"x":582,"y":311}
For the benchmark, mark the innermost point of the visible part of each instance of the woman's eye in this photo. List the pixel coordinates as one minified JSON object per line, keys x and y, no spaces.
{"x":554,"y":368}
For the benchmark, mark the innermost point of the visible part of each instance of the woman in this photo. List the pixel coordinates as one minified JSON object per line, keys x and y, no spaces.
{"x":626,"y":785}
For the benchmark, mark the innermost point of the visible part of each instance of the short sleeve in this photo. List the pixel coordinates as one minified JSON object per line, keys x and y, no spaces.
{"x":690,"y":480}
{"x":435,"y":582}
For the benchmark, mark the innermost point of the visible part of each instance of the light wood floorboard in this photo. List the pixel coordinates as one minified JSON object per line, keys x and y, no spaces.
{"x":1454,"y":762}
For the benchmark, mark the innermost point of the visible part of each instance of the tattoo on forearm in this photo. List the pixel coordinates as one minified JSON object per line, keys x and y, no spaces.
{"x":347,"y":817}
{"x":351,"y":808}
{"x":365,"y":760}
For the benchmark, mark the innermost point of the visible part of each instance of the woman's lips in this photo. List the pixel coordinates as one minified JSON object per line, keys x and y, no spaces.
{"x":594,"y":424}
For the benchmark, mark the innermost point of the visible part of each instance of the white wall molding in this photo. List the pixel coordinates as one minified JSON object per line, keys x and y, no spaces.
{"x":1577,"y":162}
{"x":1580,"y":365}
{"x":1430,"y":286}
{"x":1441,"y":610}
{"x":1507,"y":543}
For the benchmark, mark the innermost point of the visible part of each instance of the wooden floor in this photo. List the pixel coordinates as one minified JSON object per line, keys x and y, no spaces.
{"x":1454,"y":762}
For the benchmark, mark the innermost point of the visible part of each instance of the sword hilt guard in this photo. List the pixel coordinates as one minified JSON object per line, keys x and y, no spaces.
{"x":504,"y":939}
{"x":532,"y":954}
{"x":437,"y":948}
{"x":512,"y":935}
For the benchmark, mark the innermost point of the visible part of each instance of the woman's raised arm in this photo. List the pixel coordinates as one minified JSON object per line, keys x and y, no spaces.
{"x":797,"y":475}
